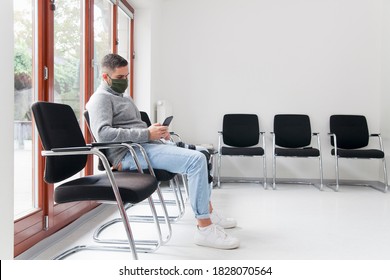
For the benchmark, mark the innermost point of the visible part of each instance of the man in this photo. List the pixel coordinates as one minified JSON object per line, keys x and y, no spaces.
{"x":114,"y":117}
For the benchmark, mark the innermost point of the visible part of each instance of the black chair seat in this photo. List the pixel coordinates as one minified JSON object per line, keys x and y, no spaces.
{"x":133,"y":188}
{"x":161,"y":174}
{"x":367,"y":153}
{"x":303,"y":152}
{"x":246,"y":151}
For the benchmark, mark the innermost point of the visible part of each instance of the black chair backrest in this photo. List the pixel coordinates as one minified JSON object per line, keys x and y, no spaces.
{"x":351,"y":131}
{"x":145,"y":118}
{"x":58,"y":128}
{"x":241,"y":130}
{"x":292,"y":130}
{"x":88,"y":122}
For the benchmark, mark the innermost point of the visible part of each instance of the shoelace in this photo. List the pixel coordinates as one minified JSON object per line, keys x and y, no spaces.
{"x":219,"y":231}
{"x":217,"y":216}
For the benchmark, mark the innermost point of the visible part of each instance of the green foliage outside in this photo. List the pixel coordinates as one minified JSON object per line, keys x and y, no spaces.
{"x":67,"y":55}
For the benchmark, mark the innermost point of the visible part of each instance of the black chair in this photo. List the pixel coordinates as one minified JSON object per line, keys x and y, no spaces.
{"x":240,"y":136}
{"x":292,"y":137}
{"x":66,"y":155}
{"x":161,"y":176}
{"x":171,"y":178}
{"x":349,"y":136}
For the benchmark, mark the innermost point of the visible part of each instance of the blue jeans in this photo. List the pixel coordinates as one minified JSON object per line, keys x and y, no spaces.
{"x":182,"y":161}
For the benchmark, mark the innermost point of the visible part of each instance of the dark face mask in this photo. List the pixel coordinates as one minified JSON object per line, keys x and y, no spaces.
{"x":119,"y":85}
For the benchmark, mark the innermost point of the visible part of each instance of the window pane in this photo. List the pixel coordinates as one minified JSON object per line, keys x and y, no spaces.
{"x":67,"y":54}
{"x":25,"y":195}
{"x":67,"y":58}
{"x":102,"y":35}
{"x":124,"y":37}
{"x":123,"y":34}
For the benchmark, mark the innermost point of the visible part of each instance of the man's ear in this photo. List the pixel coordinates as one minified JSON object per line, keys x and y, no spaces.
{"x":105,"y":77}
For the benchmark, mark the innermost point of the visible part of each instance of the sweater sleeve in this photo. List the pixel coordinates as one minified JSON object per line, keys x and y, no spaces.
{"x":101,"y":112}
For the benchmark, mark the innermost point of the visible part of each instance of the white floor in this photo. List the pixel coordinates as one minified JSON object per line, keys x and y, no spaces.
{"x":294,"y":222}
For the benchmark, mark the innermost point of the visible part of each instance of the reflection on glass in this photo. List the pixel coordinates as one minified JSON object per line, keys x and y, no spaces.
{"x":67,"y":54}
{"x":102,"y":35}
{"x":124,"y":37}
{"x":24,"y":193}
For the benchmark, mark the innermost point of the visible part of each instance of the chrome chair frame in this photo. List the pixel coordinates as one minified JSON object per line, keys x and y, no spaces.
{"x":336,"y":157}
{"x":178,"y":198}
{"x":274,"y":156}
{"x":219,"y":163}
{"x":135,"y":246}
{"x":174,"y":186}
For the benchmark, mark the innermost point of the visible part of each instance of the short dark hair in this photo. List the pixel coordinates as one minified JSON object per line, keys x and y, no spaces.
{"x":112,"y":61}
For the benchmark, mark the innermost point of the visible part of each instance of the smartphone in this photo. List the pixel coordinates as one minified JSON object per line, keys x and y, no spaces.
{"x":167,"y":121}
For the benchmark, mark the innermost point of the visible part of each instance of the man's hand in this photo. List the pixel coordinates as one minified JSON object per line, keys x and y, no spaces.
{"x":157,"y":132}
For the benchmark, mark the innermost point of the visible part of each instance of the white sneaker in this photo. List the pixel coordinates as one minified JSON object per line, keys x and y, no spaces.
{"x":215,"y":237}
{"x":218,"y":219}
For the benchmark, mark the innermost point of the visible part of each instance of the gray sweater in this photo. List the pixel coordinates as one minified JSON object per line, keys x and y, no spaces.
{"x":113,"y":118}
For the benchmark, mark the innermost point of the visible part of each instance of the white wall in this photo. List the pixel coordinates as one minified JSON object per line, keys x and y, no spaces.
{"x":6,"y":128}
{"x":269,"y":57}
{"x":211,"y":57}
{"x":142,"y":62}
{"x":385,"y":75}
{"x":147,"y":29}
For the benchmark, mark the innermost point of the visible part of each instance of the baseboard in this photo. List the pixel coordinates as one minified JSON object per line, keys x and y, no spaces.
{"x":326,"y":182}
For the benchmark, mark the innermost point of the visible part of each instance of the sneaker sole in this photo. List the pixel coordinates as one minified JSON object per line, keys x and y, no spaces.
{"x":217,"y":247}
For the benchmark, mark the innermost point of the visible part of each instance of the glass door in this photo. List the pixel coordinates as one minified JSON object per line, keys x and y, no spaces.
{"x":25,"y":192}
{"x":67,"y":54}
{"x":124,"y":37}
{"x":102,"y":31}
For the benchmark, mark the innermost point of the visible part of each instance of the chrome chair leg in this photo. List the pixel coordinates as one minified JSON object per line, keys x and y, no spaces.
{"x":337,"y":173}
{"x":274,"y":172}
{"x":265,"y":172}
{"x":385,"y":174}
{"x":219,"y":170}
{"x":321,"y":174}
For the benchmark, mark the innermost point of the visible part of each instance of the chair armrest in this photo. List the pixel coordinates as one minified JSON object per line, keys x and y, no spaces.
{"x":71,"y":149}
{"x":129,"y":145}
{"x":333,"y":135}
{"x":95,"y":147}
{"x":220,"y":135}
{"x":379,"y":139}
{"x":317,"y":134}
{"x":263,"y":143}
{"x":100,"y":144}
{"x":74,"y":151}
{"x":175,"y":135}
{"x":273,"y":136}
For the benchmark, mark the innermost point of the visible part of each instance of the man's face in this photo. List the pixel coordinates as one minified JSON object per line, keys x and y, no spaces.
{"x":119,"y":73}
